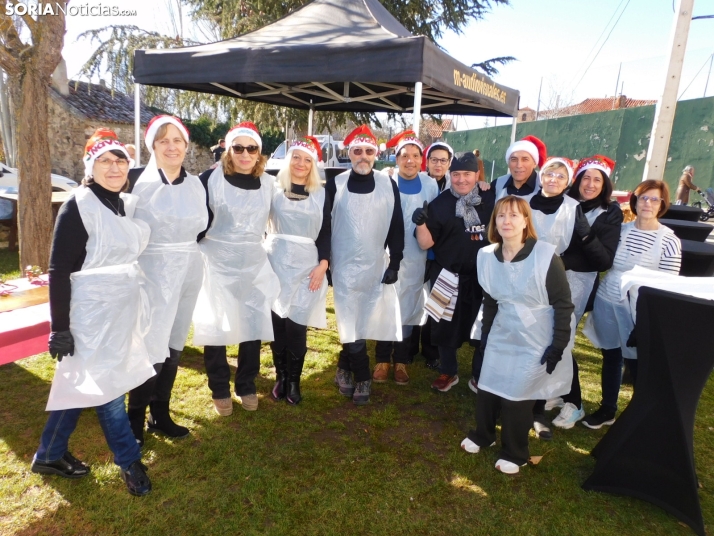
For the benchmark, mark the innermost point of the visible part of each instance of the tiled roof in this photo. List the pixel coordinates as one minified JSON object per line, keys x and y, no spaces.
{"x":97,"y":103}
{"x":435,"y":129}
{"x":590,"y":106}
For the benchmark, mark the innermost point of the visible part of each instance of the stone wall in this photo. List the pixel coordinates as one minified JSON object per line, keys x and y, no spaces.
{"x":69,"y":133}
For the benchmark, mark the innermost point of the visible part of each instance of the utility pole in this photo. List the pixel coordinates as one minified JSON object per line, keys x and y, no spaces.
{"x":667,"y":104}
{"x":617,"y":84}
{"x":538,"y":105}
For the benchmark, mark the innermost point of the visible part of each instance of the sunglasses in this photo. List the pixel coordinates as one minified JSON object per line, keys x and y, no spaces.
{"x":238,"y":149}
{"x":357,"y":151}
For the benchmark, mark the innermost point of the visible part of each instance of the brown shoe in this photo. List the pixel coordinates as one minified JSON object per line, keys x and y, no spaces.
{"x":223,"y":406}
{"x":400,"y":374}
{"x":249,"y":402}
{"x":381,"y":373}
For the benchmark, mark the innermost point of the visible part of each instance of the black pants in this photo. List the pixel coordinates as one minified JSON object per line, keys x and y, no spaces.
{"x":396,"y":351}
{"x":354,"y":358}
{"x":289,"y":336}
{"x":157,"y":388}
{"x":516,"y":422}
{"x":219,"y":373}
{"x":423,"y":334}
{"x":575,"y":395}
{"x":476,"y":361}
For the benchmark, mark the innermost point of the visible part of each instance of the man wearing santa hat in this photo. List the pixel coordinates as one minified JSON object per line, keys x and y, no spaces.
{"x":415,"y":191}
{"x":522,"y":157}
{"x":366,"y":220}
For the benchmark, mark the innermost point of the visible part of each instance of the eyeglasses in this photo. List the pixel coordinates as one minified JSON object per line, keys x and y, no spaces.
{"x":107,"y":163}
{"x":238,"y":149}
{"x":357,"y":151}
{"x":552,"y":175}
{"x":651,"y":198}
{"x":442,"y":161}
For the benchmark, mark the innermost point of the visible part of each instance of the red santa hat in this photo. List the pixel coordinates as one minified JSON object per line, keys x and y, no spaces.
{"x":156,"y":123}
{"x":533,"y":146}
{"x":405,"y":138}
{"x":437,"y":145}
{"x":102,"y":141}
{"x":246,"y":128}
{"x":598,"y":161}
{"x":308,"y":144}
{"x":567,"y":162}
{"x":361,"y":137}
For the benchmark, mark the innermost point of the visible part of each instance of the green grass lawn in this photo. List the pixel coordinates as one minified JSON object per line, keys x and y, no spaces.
{"x":323,"y":467}
{"x":9,"y":264}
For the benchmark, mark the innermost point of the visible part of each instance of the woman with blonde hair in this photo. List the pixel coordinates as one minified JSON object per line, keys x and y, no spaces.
{"x":526,"y":332}
{"x":239,"y":285}
{"x":298,"y":247}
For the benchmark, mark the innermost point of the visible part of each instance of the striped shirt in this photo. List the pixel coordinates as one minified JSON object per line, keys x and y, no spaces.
{"x":638,"y":242}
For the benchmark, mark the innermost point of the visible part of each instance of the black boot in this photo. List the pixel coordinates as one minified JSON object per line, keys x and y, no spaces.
{"x":160,"y":421}
{"x":295,"y":371}
{"x":280,"y":360}
{"x":137,"y":417}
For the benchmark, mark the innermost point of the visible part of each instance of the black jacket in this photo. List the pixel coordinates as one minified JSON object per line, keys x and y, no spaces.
{"x":597,"y":252}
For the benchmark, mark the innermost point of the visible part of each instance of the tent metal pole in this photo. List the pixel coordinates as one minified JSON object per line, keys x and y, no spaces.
{"x":309,"y":118}
{"x":513,"y":130}
{"x":137,"y":125}
{"x":417,"y":107}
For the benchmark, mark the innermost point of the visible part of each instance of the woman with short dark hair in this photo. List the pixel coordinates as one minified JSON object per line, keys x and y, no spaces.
{"x":643,"y":242}
{"x":96,"y":311}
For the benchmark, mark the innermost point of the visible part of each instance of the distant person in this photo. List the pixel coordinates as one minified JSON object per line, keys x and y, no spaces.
{"x":686,"y":184}
{"x":218,"y":150}
{"x":479,"y":160}
{"x":132,"y":153}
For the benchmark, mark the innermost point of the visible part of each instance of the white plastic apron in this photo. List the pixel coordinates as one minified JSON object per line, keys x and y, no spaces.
{"x":522,"y":328}
{"x":501,"y":188}
{"x":557,"y":228}
{"x":412,"y":289}
{"x":172,"y":261}
{"x":294,"y":227}
{"x":107,"y":310}
{"x":364,"y":307}
{"x":239,"y":286}
{"x":609,"y":324}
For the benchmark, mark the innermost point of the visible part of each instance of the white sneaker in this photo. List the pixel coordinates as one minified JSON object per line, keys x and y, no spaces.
{"x":568,"y":416}
{"x":473,"y":385}
{"x":471,"y":447}
{"x":554,"y":403}
{"x":507,"y":467}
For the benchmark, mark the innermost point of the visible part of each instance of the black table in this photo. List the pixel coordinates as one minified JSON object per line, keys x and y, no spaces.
{"x":683,"y":212}
{"x":688,"y":230}
{"x":697,"y":259}
{"x":649,"y":451}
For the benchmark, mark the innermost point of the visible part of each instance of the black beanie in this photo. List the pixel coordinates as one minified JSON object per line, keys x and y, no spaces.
{"x":467,"y":162}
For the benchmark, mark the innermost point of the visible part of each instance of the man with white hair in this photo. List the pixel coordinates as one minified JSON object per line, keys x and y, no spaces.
{"x":366,"y":220}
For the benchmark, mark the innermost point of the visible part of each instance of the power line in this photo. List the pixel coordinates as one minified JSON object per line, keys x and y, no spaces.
{"x":600,"y":36}
{"x":695,"y":77}
{"x":601,"y":46}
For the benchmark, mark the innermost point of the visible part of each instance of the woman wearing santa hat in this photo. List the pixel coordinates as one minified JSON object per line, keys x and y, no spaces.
{"x":522,"y":157}
{"x":298,"y":248}
{"x":239,"y":285}
{"x":557,"y":219}
{"x":96,"y":312}
{"x":591,"y":252}
{"x":171,"y":203}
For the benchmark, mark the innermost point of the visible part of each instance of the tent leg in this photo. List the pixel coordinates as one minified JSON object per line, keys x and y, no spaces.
{"x":513,"y":129}
{"x":310,"y":115}
{"x":137,"y":124}
{"x":417,"y":107}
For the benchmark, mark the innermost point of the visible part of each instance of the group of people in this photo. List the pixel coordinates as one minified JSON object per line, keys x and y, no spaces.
{"x":432,"y":256}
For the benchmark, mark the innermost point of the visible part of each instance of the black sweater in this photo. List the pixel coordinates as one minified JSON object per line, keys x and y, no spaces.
{"x":527,"y":188}
{"x":556,"y":284}
{"x":364,"y":184}
{"x":69,"y":249}
{"x":597,"y":252}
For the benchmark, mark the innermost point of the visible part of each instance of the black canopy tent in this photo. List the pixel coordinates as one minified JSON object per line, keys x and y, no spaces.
{"x":337,"y":55}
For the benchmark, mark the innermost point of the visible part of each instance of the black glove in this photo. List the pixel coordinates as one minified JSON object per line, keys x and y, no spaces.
{"x":550,"y":358}
{"x":632,"y":339}
{"x":61,"y":343}
{"x":421,"y":215}
{"x":390,"y":277}
{"x":582,"y":227}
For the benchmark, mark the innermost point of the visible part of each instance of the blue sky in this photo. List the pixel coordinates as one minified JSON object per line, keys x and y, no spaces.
{"x":550,"y":39}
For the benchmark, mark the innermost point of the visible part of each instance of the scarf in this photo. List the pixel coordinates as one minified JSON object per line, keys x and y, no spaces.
{"x":465,"y":207}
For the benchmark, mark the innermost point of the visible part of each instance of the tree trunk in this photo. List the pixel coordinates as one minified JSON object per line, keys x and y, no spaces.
{"x":35,"y":217}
